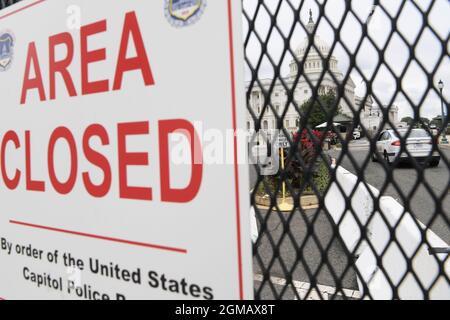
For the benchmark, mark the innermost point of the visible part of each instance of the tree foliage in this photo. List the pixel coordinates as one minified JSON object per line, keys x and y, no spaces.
{"x":407,"y":120}
{"x":320,"y":110}
{"x":422,"y":122}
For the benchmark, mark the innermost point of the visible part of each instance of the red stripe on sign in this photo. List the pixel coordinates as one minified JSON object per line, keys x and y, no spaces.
{"x":21,"y":9}
{"x":236,"y":170}
{"x":94,"y":236}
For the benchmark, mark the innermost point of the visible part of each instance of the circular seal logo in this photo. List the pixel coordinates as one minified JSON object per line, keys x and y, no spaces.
{"x":182,"y":13}
{"x":7,"y":42}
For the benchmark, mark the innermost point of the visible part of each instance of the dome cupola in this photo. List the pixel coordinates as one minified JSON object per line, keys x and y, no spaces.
{"x":313,"y":62}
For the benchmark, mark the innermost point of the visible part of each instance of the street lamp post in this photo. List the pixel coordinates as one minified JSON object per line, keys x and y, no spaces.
{"x":444,"y":127}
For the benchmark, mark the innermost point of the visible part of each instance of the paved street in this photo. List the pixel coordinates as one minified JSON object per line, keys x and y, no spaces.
{"x":422,"y":203}
{"x":311,"y":255}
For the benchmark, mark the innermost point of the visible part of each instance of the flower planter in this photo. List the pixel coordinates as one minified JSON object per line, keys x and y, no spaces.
{"x":307,"y":201}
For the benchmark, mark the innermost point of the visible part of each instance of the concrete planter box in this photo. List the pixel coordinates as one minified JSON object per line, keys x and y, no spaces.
{"x":307,"y":201}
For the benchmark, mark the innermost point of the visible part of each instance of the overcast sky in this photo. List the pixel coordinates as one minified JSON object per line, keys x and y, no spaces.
{"x":410,"y":22}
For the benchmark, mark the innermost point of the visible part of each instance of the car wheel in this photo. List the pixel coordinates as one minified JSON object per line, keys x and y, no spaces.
{"x":386,"y":158}
{"x":374,"y":157}
{"x":434,"y":163}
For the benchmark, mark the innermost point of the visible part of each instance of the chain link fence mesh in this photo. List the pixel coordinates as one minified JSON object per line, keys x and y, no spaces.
{"x":309,"y":245}
{"x":303,"y":251}
{"x":5,"y":3}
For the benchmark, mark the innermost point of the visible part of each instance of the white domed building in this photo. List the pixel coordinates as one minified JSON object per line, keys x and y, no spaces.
{"x":313,"y":68}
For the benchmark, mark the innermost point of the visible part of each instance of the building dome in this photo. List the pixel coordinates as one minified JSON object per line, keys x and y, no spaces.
{"x":323,"y":47}
{"x":313,"y":62}
{"x":307,"y":76}
{"x":319,"y":44}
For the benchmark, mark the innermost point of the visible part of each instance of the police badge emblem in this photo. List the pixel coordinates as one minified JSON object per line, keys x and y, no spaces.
{"x":7,"y":43}
{"x":181,"y":13}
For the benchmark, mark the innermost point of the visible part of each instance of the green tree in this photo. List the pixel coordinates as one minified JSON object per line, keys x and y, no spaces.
{"x":421,"y":123}
{"x":437,"y":121}
{"x":425,"y":120}
{"x":408,"y":120}
{"x":320,"y":113}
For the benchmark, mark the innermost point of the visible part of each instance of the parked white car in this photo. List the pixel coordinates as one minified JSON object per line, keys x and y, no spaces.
{"x":419,"y":144}
{"x":356,"y":135}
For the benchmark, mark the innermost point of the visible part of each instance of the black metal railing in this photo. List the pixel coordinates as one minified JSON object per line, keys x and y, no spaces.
{"x":305,"y":61}
{"x":5,"y":3}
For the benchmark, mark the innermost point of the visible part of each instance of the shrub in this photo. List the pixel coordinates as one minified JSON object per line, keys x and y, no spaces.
{"x":305,"y":157}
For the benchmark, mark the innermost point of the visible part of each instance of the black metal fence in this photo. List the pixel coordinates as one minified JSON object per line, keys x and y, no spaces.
{"x":354,"y":243}
{"x":5,"y":3}
{"x":334,"y":236}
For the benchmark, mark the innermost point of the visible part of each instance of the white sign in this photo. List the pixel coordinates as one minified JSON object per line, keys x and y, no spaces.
{"x":94,"y":202}
{"x":282,"y":141}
